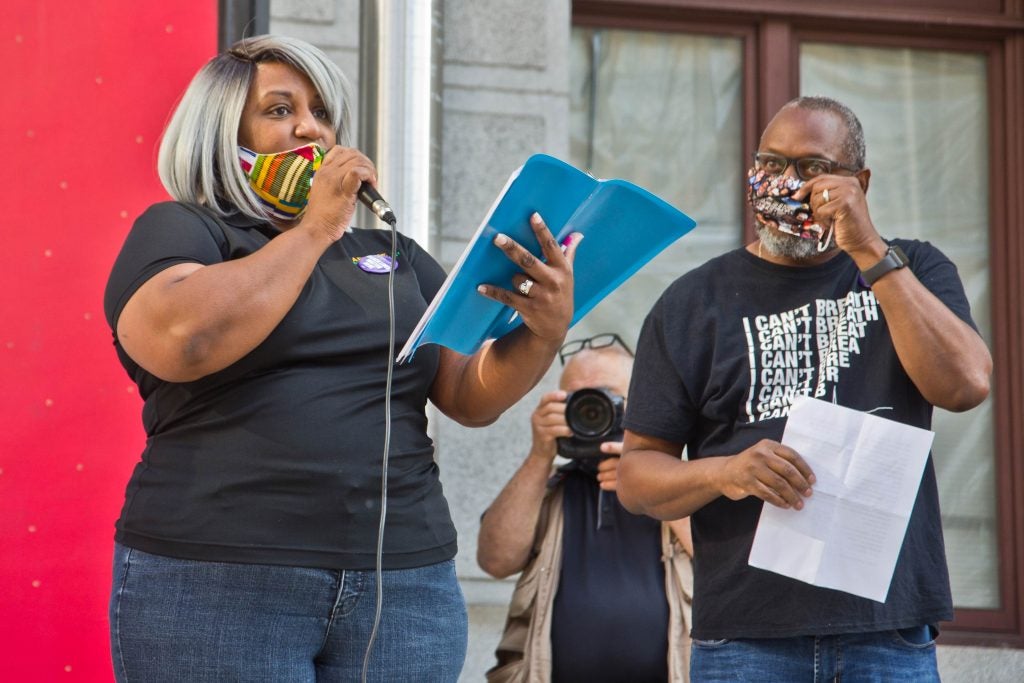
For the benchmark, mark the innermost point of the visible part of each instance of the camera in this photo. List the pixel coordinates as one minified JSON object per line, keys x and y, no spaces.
{"x":594,"y":416}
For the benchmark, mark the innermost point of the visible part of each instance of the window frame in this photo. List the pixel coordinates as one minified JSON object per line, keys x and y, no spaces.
{"x":772,"y":33}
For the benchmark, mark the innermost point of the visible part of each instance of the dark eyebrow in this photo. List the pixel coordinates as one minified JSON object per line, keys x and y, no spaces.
{"x":290,"y":95}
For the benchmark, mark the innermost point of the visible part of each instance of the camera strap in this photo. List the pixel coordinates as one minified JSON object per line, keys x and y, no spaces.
{"x":605,"y":512}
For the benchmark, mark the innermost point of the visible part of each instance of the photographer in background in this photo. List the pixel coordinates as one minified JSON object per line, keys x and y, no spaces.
{"x":616,"y":605}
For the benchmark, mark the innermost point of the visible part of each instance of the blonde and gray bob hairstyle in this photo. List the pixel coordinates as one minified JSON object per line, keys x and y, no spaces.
{"x":198,"y":159}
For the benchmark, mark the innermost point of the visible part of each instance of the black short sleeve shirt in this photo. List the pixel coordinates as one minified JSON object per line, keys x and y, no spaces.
{"x":720,"y":358}
{"x":610,"y":615}
{"x":276,"y":458}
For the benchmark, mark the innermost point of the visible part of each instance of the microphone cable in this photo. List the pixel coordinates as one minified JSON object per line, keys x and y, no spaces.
{"x":389,"y":217}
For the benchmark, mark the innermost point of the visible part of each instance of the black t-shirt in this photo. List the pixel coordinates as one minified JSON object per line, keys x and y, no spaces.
{"x":720,"y":358}
{"x":610,"y":616}
{"x":276,"y":459}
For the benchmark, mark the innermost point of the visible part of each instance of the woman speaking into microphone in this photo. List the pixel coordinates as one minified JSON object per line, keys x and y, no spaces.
{"x":255,"y":322}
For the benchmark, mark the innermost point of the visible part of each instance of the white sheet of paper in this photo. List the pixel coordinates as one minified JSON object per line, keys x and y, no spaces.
{"x":849,"y":533}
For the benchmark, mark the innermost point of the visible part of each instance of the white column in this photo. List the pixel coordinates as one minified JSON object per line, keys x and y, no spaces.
{"x":399,"y":107}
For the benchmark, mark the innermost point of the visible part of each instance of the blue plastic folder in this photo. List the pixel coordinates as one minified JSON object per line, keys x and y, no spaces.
{"x":624,"y":225}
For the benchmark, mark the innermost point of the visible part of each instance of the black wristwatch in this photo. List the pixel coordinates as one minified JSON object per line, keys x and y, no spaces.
{"x":894,"y":259}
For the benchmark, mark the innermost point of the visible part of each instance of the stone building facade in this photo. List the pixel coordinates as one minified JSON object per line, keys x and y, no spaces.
{"x":504,"y":92}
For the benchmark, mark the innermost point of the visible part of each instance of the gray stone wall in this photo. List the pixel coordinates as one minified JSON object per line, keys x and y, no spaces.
{"x":504,"y":97}
{"x":331,"y":25}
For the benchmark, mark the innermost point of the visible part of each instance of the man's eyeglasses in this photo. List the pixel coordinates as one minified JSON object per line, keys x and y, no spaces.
{"x":598,"y":341}
{"x":806,"y":167}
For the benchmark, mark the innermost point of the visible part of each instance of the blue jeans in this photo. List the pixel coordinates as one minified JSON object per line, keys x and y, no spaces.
{"x":185,"y":620}
{"x":906,"y":655}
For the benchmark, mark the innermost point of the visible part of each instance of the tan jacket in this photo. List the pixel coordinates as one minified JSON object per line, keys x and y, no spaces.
{"x":524,"y":652}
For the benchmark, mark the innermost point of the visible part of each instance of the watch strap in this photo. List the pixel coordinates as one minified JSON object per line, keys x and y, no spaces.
{"x":894,"y":259}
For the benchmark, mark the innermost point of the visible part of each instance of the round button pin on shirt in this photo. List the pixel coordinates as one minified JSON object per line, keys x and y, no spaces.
{"x":377,"y":263}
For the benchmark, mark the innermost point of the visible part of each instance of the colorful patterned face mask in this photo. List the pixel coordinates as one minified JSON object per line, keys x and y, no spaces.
{"x":769,"y":196}
{"x":282,"y":180}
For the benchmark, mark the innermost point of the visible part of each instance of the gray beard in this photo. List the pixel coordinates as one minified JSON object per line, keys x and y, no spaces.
{"x":788,"y":246}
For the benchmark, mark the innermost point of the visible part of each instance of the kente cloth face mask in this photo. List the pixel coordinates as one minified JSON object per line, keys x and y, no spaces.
{"x":282,"y":180}
{"x":770,"y":197}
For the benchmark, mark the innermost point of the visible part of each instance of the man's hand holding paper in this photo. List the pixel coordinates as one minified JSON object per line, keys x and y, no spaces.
{"x":770,"y":471}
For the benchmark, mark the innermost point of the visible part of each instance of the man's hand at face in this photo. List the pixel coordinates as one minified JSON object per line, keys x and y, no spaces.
{"x":840,"y":202}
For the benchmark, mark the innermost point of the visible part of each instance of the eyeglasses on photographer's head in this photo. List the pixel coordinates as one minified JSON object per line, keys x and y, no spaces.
{"x":598,"y":341}
{"x":806,"y":167}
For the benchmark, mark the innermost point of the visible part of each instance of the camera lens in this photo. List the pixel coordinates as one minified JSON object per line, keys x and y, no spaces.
{"x":591,"y":413}
{"x":594,"y":416}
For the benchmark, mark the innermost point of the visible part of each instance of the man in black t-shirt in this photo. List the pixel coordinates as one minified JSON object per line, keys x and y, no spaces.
{"x":592,"y":603}
{"x":821,"y":306}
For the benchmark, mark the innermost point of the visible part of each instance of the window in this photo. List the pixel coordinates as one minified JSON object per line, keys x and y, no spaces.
{"x":692,"y":157}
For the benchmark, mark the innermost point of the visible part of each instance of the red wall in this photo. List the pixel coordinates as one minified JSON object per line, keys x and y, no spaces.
{"x":89,"y":85}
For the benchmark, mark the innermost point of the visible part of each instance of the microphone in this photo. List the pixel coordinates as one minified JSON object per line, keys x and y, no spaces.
{"x":369,"y":196}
